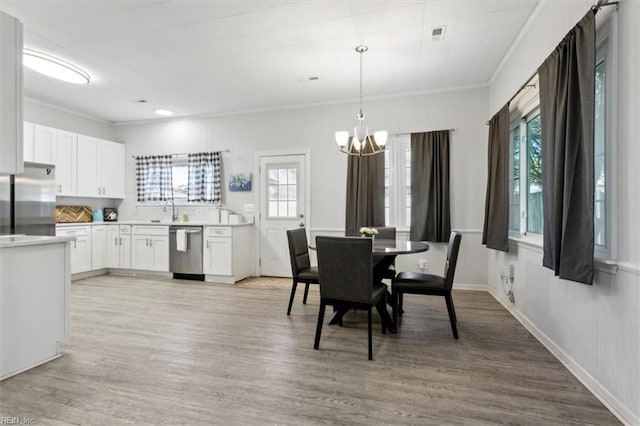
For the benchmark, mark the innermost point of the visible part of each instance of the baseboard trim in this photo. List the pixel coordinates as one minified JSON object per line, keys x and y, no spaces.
{"x":88,"y":274}
{"x":613,"y":404}
{"x":470,"y":286}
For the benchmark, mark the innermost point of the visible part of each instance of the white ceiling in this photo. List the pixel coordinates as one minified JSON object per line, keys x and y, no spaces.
{"x":217,"y":57}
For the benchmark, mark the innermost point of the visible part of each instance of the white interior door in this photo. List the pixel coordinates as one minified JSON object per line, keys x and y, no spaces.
{"x":282,"y":206}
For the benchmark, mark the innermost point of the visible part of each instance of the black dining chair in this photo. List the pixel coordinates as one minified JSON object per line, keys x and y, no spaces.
{"x":432,"y":285}
{"x":301,"y":269}
{"x":386,"y":233}
{"x":346,"y":280}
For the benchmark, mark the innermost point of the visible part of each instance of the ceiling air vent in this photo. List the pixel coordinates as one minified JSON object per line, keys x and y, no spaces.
{"x":437,"y":34}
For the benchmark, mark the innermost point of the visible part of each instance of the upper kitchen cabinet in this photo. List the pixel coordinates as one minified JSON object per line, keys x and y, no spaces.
{"x":100,"y":168}
{"x":11,"y":126}
{"x":57,"y":147}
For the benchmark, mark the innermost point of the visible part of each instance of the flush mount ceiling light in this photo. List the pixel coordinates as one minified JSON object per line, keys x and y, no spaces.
{"x":361,"y":143}
{"x":164,"y":112}
{"x":54,"y":67}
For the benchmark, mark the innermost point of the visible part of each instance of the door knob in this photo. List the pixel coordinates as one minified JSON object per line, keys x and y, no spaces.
{"x":301,"y":225}
{"x":301,"y":216}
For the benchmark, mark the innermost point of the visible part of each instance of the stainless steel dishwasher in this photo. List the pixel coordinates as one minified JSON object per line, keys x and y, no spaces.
{"x":186,"y":264}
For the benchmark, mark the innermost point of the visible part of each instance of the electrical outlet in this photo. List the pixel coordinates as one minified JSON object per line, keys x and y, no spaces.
{"x":423,"y":264}
{"x":512,"y":299}
{"x":511,"y":273}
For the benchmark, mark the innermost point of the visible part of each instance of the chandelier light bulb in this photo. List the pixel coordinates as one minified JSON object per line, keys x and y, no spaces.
{"x":381,"y":137}
{"x":342,"y":138}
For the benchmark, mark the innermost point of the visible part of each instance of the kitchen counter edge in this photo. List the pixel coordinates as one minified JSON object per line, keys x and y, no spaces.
{"x":9,"y":241}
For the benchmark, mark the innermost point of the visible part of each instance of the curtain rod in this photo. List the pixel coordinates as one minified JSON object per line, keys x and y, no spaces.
{"x":596,"y":7}
{"x":441,"y":130}
{"x":182,"y":154}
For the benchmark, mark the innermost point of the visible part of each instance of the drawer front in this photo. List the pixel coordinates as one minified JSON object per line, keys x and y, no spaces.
{"x":73,"y":231}
{"x":217,"y":231}
{"x":125,"y":229}
{"x":149,"y":230}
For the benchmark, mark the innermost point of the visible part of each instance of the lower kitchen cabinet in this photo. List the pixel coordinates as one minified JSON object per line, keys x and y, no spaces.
{"x":98,"y":247}
{"x":80,"y":248}
{"x":150,"y":248}
{"x":227,"y":253}
{"x":119,"y":246}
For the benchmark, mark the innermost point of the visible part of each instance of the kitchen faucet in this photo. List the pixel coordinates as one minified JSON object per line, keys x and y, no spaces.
{"x":174,"y":213}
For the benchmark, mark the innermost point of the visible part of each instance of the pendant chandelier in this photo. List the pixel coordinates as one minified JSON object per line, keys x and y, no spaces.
{"x":361,"y":143}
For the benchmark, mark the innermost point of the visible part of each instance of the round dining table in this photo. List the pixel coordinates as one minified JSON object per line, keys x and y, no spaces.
{"x":384,"y":253}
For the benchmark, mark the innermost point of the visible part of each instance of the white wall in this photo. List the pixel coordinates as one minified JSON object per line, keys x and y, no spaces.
{"x":595,"y":329}
{"x":313,"y":128}
{"x":47,"y":115}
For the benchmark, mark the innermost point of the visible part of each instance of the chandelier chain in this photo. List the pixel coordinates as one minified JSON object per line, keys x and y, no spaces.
{"x":361,"y":52}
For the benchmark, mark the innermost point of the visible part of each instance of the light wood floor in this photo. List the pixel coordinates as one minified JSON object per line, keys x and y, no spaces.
{"x":163,"y":352}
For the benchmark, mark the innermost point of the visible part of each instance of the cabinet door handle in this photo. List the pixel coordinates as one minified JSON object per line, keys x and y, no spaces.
{"x":207,"y":244}
{"x":60,"y":188}
{"x":115,"y":241}
{"x":120,"y":239}
{"x":150,"y":242}
{"x":146,"y":242}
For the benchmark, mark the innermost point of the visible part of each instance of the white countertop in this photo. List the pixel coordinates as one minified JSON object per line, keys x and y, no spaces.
{"x":8,"y":241}
{"x":162,"y":223}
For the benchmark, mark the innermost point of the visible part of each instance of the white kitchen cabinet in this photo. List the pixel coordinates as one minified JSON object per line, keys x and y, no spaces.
{"x":28,"y":137}
{"x":112,"y":169}
{"x":218,"y":256}
{"x":65,"y":162}
{"x":80,"y":248}
{"x":227,"y":253}
{"x":150,"y":248}
{"x":44,"y":144}
{"x":88,"y":164}
{"x":11,"y":125}
{"x":100,"y":168}
{"x":57,"y":147}
{"x":119,"y":246}
{"x":98,"y":247}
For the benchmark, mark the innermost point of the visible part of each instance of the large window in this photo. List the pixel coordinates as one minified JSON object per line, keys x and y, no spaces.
{"x":525,"y":180}
{"x":397,"y":182}
{"x":525,"y":195}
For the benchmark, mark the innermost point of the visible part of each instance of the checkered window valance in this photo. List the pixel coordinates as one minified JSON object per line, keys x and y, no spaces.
{"x":204,"y":177}
{"x":154,"y":177}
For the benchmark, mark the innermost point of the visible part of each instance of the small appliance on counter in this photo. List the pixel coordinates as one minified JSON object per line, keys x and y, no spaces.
{"x":110,"y":214}
{"x":97,"y":215}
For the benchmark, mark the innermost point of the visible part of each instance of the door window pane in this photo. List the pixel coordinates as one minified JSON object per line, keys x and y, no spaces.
{"x":534,"y":176}
{"x":283,"y":192}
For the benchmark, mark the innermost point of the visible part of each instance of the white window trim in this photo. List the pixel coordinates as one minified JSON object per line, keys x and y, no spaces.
{"x":397,"y":181}
{"x":527,"y":107}
{"x":607,"y":48}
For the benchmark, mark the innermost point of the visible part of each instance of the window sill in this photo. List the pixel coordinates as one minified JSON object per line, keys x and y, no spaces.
{"x":535,"y":244}
{"x":606,"y":266}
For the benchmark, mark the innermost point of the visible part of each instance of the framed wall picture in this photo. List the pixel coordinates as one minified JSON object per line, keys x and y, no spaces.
{"x":240,"y":182}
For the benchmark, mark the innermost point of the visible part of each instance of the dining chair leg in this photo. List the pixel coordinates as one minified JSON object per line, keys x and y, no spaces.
{"x":394,"y":307}
{"x":385,"y":319}
{"x":453,"y":308}
{"x":400,"y":297}
{"x":370,"y":335}
{"x":452,"y":315}
{"x":316,"y":343}
{"x":293,"y":293}
{"x":306,"y":293}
